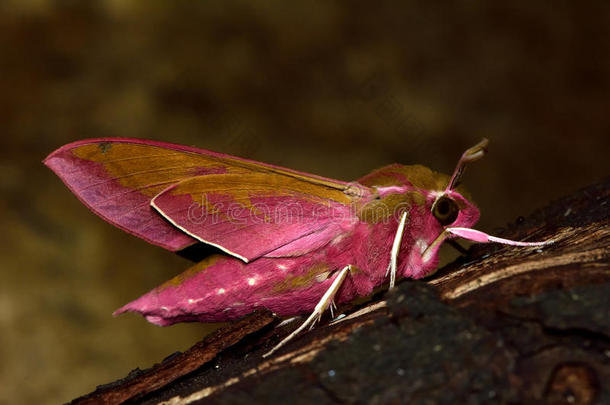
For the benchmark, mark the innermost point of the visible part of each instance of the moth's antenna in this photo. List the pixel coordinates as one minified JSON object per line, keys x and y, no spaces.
{"x":471,"y":155}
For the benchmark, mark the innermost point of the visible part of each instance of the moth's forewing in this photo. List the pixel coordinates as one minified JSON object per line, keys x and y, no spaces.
{"x":253,"y":214}
{"x":117,"y":179}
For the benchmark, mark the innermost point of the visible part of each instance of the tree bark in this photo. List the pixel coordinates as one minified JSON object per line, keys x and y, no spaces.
{"x":500,"y":324}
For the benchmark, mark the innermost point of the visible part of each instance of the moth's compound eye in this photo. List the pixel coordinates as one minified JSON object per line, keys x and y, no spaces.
{"x":445,"y":210}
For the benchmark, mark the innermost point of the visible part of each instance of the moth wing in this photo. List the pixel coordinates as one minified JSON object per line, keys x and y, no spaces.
{"x":257,"y":214}
{"x":117,"y":177}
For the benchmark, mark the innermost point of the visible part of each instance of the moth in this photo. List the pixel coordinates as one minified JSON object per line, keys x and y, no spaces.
{"x":291,"y":242}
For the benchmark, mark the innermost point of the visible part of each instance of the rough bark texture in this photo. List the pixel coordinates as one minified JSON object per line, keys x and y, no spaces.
{"x":501,"y":325}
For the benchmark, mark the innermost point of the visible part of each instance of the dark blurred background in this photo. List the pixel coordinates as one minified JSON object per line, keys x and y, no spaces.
{"x":331,"y":88}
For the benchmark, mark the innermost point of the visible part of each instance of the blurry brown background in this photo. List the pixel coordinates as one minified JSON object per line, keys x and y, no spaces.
{"x":331,"y":88}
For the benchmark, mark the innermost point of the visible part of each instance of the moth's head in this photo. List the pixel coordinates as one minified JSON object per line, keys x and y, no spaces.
{"x":454,"y":215}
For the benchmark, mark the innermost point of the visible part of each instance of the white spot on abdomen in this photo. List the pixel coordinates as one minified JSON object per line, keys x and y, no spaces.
{"x":194,"y":301}
{"x":251,"y":281}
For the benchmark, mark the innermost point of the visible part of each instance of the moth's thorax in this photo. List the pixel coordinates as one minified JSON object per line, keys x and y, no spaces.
{"x":416,"y":176}
{"x":387,"y":204}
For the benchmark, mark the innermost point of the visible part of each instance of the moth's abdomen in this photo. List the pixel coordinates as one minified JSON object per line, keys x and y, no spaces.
{"x":222,"y":288}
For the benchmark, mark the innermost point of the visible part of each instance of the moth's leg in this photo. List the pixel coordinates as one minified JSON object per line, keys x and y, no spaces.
{"x":325,"y":302}
{"x":287,"y":321}
{"x":393,"y":265}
